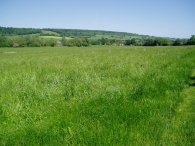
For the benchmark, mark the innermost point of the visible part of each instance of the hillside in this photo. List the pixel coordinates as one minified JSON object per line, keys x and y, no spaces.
{"x":74,"y":33}
{"x":34,"y":37}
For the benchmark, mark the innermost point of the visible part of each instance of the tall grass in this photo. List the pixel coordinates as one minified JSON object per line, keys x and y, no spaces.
{"x":95,"y":96}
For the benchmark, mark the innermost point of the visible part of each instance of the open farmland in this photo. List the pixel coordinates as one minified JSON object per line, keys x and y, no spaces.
{"x":100,"y":95}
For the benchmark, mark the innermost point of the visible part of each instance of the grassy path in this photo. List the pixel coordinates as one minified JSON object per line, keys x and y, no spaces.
{"x":182,"y":129}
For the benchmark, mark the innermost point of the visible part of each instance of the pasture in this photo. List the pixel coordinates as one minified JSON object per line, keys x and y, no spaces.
{"x":98,"y":95}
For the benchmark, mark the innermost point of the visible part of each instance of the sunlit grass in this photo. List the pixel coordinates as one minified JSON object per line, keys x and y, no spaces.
{"x":96,"y":96}
{"x":51,"y":37}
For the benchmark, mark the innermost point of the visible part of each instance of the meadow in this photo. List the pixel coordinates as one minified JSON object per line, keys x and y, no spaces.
{"x":98,"y":95}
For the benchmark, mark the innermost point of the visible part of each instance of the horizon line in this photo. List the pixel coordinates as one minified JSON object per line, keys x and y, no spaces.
{"x":95,"y":30}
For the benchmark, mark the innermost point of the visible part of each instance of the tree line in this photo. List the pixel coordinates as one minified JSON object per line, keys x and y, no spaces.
{"x":18,"y":31}
{"x":26,"y":41}
{"x":160,"y":42}
{"x":36,"y":41}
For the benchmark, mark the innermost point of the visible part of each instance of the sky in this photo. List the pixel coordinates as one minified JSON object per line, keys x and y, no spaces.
{"x":164,"y":18}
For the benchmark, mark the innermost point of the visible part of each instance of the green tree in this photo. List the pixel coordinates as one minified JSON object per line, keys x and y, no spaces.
{"x":4,"y":42}
{"x":177,"y":42}
{"x":35,"y":42}
{"x":51,"y":42}
{"x":104,"y":41}
{"x":149,"y":42}
{"x":64,"y":41}
{"x":161,"y":42}
{"x":127,"y":42}
{"x":191,"y":41}
{"x":156,"y":42}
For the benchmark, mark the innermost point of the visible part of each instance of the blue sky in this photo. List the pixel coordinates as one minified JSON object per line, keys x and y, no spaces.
{"x":168,"y":18}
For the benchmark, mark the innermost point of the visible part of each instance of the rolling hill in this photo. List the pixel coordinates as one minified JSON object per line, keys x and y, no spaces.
{"x":74,"y":33}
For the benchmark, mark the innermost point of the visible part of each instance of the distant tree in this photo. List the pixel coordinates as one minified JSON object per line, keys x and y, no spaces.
{"x":35,"y":42}
{"x":95,"y":42}
{"x":20,"y":42}
{"x":104,"y":41}
{"x":85,"y":42}
{"x":79,"y":42}
{"x":28,"y":40}
{"x":51,"y":42}
{"x":134,"y":42}
{"x":128,"y":42}
{"x":161,"y":42}
{"x":18,"y":31}
{"x":64,"y":41}
{"x":4,"y":42}
{"x":177,"y":42}
{"x":139,"y":42}
{"x":156,"y":42}
{"x":191,"y":41}
{"x":149,"y":42}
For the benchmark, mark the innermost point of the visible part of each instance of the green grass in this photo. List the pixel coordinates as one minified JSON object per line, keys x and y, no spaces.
{"x":51,"y":37}
{"x":45,"y":32}
{"x":97,"y":96}
{"x":55,"y":37}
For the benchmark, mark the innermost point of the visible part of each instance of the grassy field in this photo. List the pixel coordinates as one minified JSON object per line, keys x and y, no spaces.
{"x":97,"y":96}
{"x":51,"y":37}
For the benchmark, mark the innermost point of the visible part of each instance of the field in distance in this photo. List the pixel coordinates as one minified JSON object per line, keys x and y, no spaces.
{"x":100,"y":95}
